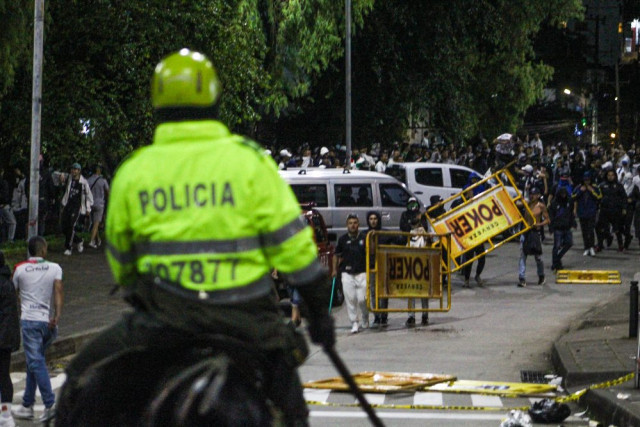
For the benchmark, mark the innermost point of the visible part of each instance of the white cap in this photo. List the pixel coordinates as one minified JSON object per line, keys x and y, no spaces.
{"x":323,"y":151}
{"x":285,"y":153}
{"x":528,"y":169}
{"x":607,"y":165}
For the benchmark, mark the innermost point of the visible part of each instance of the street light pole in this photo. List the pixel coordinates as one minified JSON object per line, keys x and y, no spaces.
{"x":347,"y":13}
{"x":36,"y":113}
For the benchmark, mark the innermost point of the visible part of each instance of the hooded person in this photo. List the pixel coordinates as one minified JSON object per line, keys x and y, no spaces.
{"x":413,"y":210}
{"x":475,"y":177}
{"x":612,"y":210}
{"x":562,"y":220}
{"x":374,"y":221}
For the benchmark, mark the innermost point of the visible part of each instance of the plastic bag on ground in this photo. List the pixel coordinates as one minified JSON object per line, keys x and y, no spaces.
{"x":549,"y":411}
{"x":517,"y":419}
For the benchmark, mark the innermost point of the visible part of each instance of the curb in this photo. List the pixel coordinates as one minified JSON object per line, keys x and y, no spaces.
{"x":60,"y":348}
{"x":608,"y":409}
{"x":573,"y":376}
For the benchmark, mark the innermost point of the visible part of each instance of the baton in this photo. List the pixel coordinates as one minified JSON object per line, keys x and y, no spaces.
{"x":344,"y":373}
{"x":333,"y":287}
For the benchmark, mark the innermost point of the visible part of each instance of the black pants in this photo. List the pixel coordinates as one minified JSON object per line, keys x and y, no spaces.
{"x":609,"y":220}
{"x":6,"y":386}
{"x":68,"y":224}
{"x":626,"y":224}
{"x":139,"y":329}
{"x":588,"y":226}
{"x":466,"y":270}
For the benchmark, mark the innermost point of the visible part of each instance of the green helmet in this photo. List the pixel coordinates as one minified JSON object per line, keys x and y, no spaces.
{"x":184,"y":79}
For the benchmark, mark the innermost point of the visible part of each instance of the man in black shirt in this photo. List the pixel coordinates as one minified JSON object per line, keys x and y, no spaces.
{"x":351,"y":257}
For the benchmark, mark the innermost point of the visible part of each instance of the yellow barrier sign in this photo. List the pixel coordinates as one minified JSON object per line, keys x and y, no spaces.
{"x":479,"y":219}
{"x":382,"y":382}
{"x":493,"y":388}
{"x":588,"y":277}
{"x":408,"y":272}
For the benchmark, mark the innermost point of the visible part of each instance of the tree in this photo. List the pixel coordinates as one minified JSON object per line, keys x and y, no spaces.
{"x":99,"y":56}
{"x":468,"y":66}
{"x":14,"y":39}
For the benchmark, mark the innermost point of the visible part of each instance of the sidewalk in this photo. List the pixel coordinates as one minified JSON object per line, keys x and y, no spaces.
{"x":595,"y":349}
{"x":598,"y":349}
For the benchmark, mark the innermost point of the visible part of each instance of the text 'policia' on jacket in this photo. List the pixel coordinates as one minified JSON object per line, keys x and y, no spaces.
{"x":180,"y":211}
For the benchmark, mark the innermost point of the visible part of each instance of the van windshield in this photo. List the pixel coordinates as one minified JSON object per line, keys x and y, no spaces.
{"x":398,"y":173}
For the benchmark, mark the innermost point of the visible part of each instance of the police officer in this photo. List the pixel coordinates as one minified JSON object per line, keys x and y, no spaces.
{"x":196,"y":222}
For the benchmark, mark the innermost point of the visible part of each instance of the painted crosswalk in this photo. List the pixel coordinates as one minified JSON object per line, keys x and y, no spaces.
{"x":418,"y":400}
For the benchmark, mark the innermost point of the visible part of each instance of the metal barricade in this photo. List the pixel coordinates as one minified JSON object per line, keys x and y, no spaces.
{"x":398,"y":271}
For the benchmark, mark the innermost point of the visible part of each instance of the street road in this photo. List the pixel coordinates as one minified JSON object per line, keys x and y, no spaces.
{"x":490,"y":334}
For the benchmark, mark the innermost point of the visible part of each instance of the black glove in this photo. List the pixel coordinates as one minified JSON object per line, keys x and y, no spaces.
{"x":321,"y":331}
{"x":316,"y":296}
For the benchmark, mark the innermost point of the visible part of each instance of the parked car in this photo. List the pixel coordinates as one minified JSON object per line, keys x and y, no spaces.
{"x":336,"y":193}
{"x":426,"y":179}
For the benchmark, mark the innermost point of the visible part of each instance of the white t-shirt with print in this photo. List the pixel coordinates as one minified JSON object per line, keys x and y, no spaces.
{"x":34,"y":280}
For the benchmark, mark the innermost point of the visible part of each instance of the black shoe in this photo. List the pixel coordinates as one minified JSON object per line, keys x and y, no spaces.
{"x":425,"y":320}
{"x":522,"y":283}
{"x":376,"y":322}
{"x":411,"y":322}
{"x":384,"y":322}
{"x":541,"y":280}
{"x":609,"y":241}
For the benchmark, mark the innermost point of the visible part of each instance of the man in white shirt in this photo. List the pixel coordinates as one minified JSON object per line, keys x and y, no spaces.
{"x":381,"y":166}
{"x":38,"y":281}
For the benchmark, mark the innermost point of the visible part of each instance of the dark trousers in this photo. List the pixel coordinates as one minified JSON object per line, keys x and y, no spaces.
{"x":68,"y":224}
{"x":562,"y":242}
{"x":626,"y":225}
{"x":608,"y":220}
{"x":588,"y":226}
{"x":383,"y":303}
{"x":6,"y":386}
{"x":466,"y":270}
{"x":139,"y":329}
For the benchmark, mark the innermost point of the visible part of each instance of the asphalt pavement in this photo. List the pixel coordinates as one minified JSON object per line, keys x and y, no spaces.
{"x":595,"y":350}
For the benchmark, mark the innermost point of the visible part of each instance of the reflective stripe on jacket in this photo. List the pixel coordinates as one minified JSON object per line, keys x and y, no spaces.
{"x":206,"y":209}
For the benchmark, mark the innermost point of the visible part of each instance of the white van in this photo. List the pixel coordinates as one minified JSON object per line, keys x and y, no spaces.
{"x":427,"y":179}
{"x":337,"y":193}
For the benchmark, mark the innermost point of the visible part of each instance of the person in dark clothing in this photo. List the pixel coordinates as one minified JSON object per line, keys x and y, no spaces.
{"x":374,"y":223}
{"x":586,"y":198}
{"x":6,"y":214}
{"x":612,"y":211}
{"x":562,"y":220}
{"x":9,"y":339}
{"x":77,"y":200}
{"x":476,"y":251}
{"x":413,"y":209}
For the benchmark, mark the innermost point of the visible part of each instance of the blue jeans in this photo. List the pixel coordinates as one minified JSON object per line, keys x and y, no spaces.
{"x":36,"y":338}
{"x":562,"y":242}
{"x":522,"y":265}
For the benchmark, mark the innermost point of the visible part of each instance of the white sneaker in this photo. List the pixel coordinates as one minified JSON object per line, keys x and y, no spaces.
{"x":48,"y":414}
{"x":93,"y":245}
{"x":592,"y":252}
{"x":67,"y":252}
{"x":364,"y":325}
{"x":7,"y":421}
{"x":22,"y":412}
{"x":80,"y":247}
{"x":585,"y":253}
{"x":354,"y":328}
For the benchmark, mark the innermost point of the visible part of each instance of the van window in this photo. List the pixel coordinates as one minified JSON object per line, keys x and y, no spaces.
{"x":393,"y":195}
{"x":429,"y":176}
{"x":314,"y":193}
{"x":353,"y":195}
{"x":398,"y":173}
{"x":459,"y":177}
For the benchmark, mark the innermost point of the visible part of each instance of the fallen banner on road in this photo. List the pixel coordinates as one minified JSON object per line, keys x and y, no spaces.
{"x":382,"y":382}
{"x":497,"y":388}
{"x":588,"y":277}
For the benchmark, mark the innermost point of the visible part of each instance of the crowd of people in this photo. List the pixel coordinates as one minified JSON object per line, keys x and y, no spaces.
{"x":68,"y":203}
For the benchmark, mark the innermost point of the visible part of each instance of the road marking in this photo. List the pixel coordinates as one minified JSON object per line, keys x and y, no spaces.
{"x":409,"y":415}
{"x":425,"y":398}
{"x":374,"y":398}
{"x":316,"y":395}
{"x":484,"y":400}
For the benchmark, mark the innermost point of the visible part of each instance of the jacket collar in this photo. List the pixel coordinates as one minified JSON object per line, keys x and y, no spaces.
{"x":170,"y":132}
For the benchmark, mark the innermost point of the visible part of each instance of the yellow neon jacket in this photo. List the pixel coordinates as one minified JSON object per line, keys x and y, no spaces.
{"x":206,"y":209}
